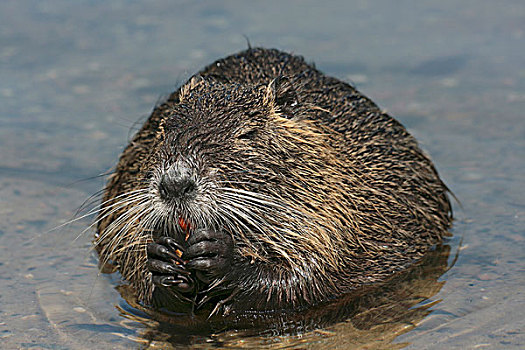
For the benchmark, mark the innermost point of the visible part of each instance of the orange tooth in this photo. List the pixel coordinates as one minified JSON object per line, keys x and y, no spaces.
{"x":183,"y":224}
{"x":185,"y":227}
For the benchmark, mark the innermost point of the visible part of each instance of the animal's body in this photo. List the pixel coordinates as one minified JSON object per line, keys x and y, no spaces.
{"x":262,"y":184}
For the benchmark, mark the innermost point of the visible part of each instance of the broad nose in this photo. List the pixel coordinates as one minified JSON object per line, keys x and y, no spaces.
{"x":174,"y":185}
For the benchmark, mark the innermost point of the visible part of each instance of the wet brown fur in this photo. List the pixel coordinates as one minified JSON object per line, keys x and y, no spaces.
{"x":351,"y":197}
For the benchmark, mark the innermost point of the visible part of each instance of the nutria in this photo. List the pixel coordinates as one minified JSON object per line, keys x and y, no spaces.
{"x":261,"y":185}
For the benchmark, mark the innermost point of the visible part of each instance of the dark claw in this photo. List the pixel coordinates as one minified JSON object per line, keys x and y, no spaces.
{"x":170,"y":243}
{"x":165,"y":281}
{"x":166,"y":268}
{"x":163,"y":252}
{"x":182,"y":284}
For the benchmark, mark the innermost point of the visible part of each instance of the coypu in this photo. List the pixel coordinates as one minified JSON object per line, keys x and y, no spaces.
{"x":264,"y":185}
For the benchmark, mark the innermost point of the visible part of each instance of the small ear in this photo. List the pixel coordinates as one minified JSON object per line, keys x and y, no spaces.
{"x":282,"y":95}
{"x":185,"y":89}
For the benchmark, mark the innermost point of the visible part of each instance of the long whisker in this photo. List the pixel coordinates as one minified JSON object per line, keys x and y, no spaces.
{"x":261,"y":200}
{"x":116,"y":207}
{"x":93,"y":211}
{"x":128,"y":218}
{"x":123,"y":216}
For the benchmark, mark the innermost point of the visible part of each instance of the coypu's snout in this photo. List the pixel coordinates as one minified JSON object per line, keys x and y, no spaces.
{"x":170,"y":188}
{"x":176,"y":183}
{"x":180,"y":194}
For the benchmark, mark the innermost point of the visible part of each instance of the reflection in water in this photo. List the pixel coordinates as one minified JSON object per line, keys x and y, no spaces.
{"x":372,"y":316}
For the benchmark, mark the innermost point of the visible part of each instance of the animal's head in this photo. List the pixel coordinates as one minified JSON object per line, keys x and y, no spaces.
{"x":247,"y":159}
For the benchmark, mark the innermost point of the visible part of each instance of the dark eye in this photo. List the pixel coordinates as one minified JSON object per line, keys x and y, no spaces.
{"x":149,"y":175}
{"x":248,"y":135}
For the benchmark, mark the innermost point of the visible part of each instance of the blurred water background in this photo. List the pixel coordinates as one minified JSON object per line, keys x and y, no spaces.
{"x":76,"y":77}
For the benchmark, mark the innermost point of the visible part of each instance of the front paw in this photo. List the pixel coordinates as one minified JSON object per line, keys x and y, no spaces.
{"x":167,"y":267}
{"x":209,"y":254}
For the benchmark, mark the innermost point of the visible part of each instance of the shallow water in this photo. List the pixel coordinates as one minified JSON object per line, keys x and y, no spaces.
{"x":75,"y":79}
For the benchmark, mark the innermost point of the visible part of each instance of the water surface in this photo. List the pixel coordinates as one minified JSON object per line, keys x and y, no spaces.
{"x":77,"y":77}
